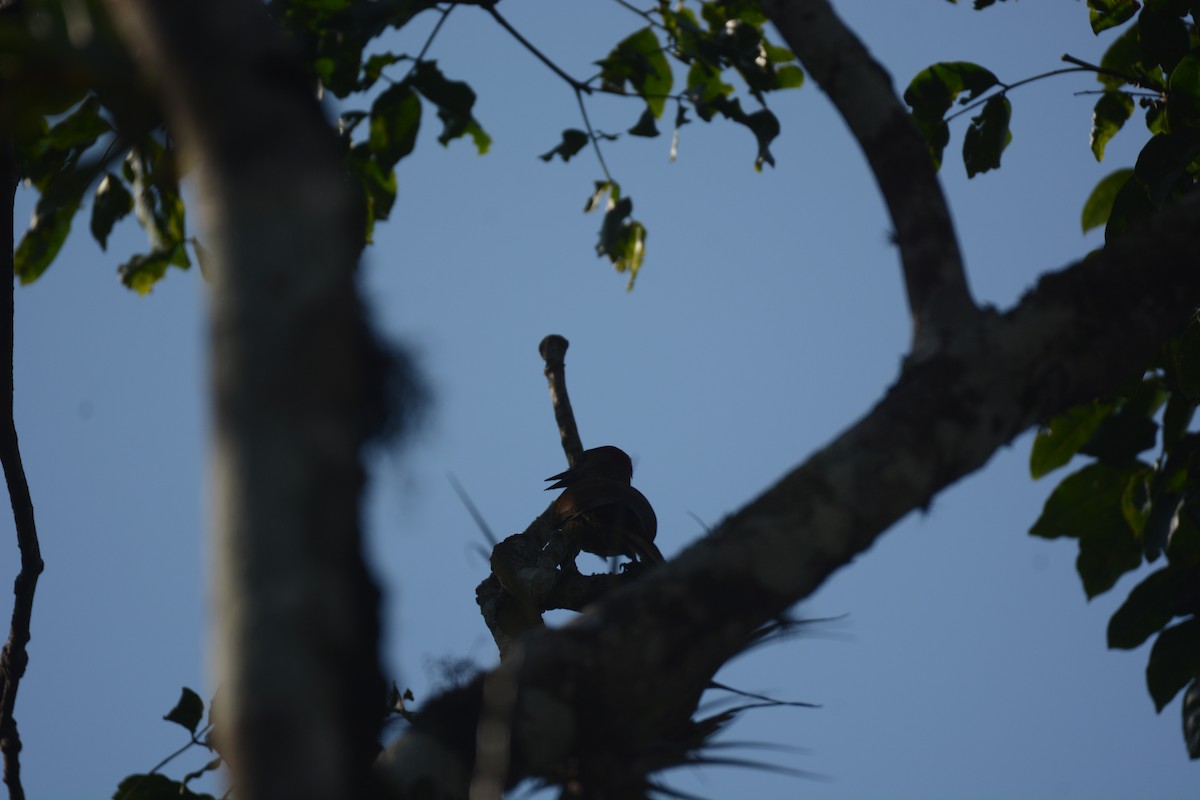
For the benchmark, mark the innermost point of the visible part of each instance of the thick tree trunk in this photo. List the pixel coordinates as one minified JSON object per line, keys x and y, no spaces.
{"x":300,"y":686}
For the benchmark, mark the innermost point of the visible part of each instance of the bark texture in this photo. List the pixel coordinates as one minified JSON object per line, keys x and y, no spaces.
{"x":296,"y":610}
{"x":861,"y":90}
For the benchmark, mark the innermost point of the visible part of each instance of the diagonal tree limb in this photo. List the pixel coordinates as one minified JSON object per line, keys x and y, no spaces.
{"x":13,"y":657}
{"x":653,"y":646}
{"x":938,"y":297}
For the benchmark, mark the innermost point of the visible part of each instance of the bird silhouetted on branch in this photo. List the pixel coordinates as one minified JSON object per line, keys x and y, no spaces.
{"x":600,"y":512}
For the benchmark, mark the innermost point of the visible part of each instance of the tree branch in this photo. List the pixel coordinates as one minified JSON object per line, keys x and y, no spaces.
{"x":654,"y":645}
{"x":939,"y":300}
{"x":294,"y":378}
{"x":13,"y":658}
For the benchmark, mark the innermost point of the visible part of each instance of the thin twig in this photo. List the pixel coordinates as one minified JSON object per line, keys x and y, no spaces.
{"x":646,"y":15}
{"x":1008,"y":87}
{"x":429,"y":40}
{"x":13,"y":658}
{"x":578,"y":86}
{"x":587,"y":123}
{"x":484,"y":528}
{"x":1131,"y":79}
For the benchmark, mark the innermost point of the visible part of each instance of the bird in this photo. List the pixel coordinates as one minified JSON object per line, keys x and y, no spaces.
{"x":601,"y":512}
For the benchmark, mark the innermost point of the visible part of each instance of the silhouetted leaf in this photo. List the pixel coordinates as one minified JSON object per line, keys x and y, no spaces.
{"x":645,"y":125}
{"x":987,"y":136}
{"x":1183,"y":93}
{"x":573,"y":140}
{"x":188,"y":711}
{"x":1130,"y":204}
{"x":1111,"y":112}
{"x":934,"y":89}
{"x":155,"y":787}
{"x":1174,"y":661}
{"x":45,"y":236}
{"x":1148,"y":609}
{"x":454,"y":100}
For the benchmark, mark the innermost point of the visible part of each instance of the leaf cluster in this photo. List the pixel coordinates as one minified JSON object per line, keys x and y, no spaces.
{"x":188,"y":713}
{"x":1124,"y":507}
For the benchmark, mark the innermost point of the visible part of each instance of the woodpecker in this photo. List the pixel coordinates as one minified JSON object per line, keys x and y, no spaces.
{"x":601,"y":512}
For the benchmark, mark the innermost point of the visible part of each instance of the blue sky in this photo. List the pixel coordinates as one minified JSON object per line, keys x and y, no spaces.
{"x":769,"y":316}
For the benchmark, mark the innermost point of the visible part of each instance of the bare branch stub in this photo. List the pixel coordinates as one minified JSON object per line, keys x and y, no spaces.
{"x":553,"y":350}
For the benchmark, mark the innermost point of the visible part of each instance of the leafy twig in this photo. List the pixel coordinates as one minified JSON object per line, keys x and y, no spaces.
{"x":429,"y":40}
{"x":1130,"y":79}
{"x":1007,"y":87}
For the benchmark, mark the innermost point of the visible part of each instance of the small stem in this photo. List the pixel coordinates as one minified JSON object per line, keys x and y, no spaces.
{"x":1007,"y":87}
{"x":1130,"y":79}
{"x":587,"y":123}
{"x":429,"y":40}
{"x":538,"y":54}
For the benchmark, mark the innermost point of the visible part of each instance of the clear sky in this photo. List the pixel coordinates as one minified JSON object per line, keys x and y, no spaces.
{"x":769,"y":316}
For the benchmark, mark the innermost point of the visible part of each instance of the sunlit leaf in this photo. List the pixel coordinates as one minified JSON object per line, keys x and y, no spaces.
{"x":395,"y":121}
{"x":1107,"y":14}
{"x":1111,"y":112}
{"x":639,"y":60}
{"x":1057,"y":442}
{"x":1098,"y":206}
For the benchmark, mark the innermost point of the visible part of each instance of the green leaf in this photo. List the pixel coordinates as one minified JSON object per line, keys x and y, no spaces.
{"x":987,"y":136}
{"x":1087,"y":506}
{"x":454,"y":100}
{"x":1061,"y":439}
{"x":1120,"y":437}
{"x":573,"y":140}
{"x":1107,"y":14}
{"x":1135,"y":501}
{"x":934,"y":89}
{"x":622,"y":239}
{"x":155,"y":787}
{"x":639,"y":60}
{"x":1174,"y":661}
{"x":1149,"y":608}
{"x":113,"y":202}
{"x":395,"y":120}
{"x":44,"y":237}
{"x":790,"y":77}
{"x":374,"y":66}
{"x":1183,"y":94}
{"x":79,"y":129}
{"x":645,"y":125}
{"x":141,"y":272}
{"x":1098,"y":206}
{"x":1111,"y":112}
{"x":188,"y":712}
{"x":597,"y":196}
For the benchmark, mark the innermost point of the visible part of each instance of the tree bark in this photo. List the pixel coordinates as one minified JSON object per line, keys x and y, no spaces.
{"x":301,"y":692}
